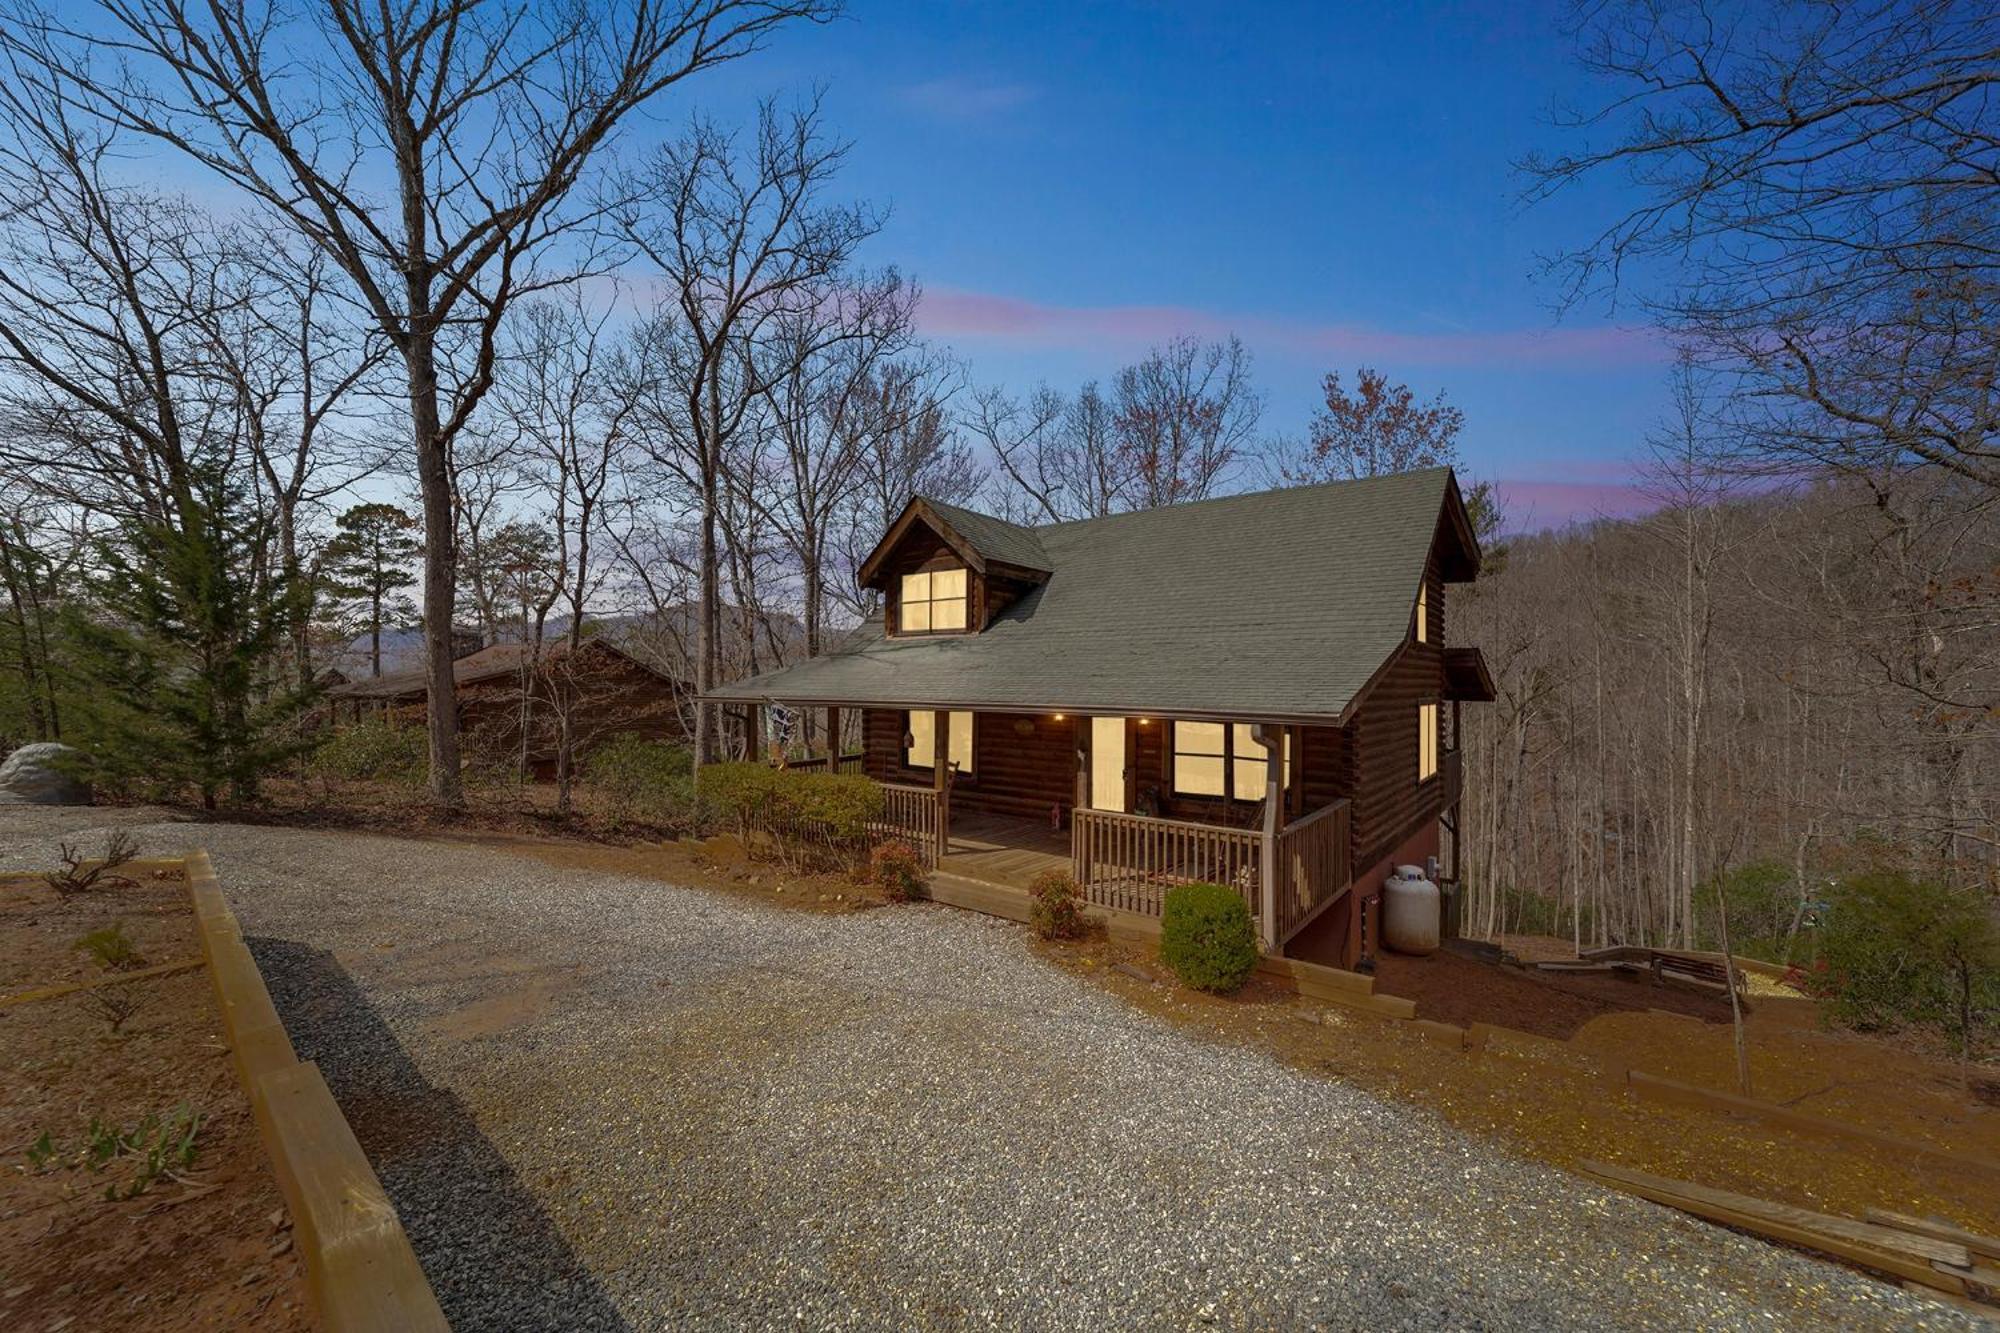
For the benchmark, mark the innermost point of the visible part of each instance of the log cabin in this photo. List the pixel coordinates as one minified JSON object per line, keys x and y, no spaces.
{"x":512,"y":701}
{"x":1257,"y":690}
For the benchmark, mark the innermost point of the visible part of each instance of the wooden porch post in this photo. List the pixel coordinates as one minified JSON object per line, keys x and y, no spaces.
{"x":753,"y":734}
{"x":1079,"y":741}
{"x":833,"y":739}
{"x":1273,"y":741}
{"x":941,"y":777}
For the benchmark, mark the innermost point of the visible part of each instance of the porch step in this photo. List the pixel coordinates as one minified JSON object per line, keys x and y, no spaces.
{"x":978,"y":896}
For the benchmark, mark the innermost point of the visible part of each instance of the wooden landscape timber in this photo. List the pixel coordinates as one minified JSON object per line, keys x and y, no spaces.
{"x":360,"y":1270}
{"x":1987,"y":1247}
{"x":1924,"y":1260}
{"x":98,"y":983}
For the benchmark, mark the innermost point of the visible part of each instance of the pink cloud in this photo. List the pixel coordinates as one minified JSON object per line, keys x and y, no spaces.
{"x":954,"y":313}
{"x":1530,"y":506}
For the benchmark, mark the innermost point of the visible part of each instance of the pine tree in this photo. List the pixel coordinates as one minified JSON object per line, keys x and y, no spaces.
{"x":369,"y":564}
{"x":180,"y":651}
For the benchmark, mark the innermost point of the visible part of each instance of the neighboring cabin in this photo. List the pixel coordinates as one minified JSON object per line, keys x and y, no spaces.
{"x":1253,"y":690}
{"x":604,"y":689}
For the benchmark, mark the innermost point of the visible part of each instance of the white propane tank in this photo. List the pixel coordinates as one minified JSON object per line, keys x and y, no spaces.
{"x":1410,"y":912}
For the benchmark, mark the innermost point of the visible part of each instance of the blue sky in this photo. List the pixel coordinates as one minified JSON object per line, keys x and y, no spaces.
{"x":1072,"y":183}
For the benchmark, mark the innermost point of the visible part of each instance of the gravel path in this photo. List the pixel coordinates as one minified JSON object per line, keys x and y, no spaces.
{"x":608,"y":1103}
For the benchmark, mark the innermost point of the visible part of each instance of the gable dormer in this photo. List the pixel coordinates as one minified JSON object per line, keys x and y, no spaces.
{"x":945,"y":570}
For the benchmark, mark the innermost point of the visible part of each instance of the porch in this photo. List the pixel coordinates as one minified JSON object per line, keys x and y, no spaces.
{"x":1126,"y":864}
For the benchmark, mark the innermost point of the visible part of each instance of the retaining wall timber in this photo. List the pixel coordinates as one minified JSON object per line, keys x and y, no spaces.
{"x":360,"y":1270}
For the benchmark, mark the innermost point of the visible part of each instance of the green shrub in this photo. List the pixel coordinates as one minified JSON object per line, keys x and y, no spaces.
{"x":1900,"y":952}
{"x":112,"y":948}
{"x":646,"y":780}
{"x":894,"y":868}
{"x":1763,"y":899}
{"x":810,"y":815}
{"x":1056,"y":907}
{"x":843,"y":805}
{"x":739,"y":794}
{"x":1207,"y":938}
{"x":375,"y":751}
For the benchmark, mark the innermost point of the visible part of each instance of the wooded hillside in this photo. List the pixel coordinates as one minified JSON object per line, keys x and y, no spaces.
{"x":1790,"y":678}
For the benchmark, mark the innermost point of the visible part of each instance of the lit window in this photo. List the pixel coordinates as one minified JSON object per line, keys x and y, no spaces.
{"x":1424,"y":613}
{"x":1206,"y":752}
{"x":923,"y":740}
{"x":1427,"y":742}
{"x":932,"y":601}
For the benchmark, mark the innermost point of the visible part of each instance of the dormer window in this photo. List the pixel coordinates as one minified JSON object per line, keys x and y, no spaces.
{"x":932,"y":602}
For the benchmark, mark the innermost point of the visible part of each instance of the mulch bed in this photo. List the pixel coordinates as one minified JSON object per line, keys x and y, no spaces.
{"x":1452,"y":988}
{"x":209,"y":1250}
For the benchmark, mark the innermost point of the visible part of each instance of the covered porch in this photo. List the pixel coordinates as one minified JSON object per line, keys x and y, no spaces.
{"x":999,"y":798}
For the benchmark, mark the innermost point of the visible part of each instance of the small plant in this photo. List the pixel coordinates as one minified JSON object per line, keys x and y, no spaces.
{"x":1207,"y":938}
{"x":1056,"y":909}
{"x":114,"y":1004}
{"x":163,"y":1145}
{"x":78,"y":876}
{"x":112,"y":948}
{"x":893,"y":867}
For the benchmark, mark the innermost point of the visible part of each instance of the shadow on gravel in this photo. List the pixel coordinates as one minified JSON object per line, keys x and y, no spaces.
{"x":494,"y":1257}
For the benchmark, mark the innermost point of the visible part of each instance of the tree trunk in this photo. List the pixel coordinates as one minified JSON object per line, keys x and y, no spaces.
{"x":31,"y":671}
{"x":433,"y":476}
{"x":707,"y":655}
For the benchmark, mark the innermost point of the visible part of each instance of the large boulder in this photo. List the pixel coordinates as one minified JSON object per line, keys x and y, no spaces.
{"x":33,"y":775}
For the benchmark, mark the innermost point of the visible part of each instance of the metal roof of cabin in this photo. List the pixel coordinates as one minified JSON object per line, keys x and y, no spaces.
{"x":1280,"y":604}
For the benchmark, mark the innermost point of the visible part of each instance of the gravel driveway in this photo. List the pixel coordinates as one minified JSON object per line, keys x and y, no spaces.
{"x":609,"y":1103}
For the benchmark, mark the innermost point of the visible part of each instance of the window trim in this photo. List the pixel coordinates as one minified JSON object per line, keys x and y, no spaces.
{"x":902,"y":602}
{"x":1430,"y":741}
{"x":971,"y":740}
{"x":1229,"y":759}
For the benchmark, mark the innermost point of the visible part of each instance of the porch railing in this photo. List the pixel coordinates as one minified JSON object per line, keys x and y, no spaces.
{"x":1128,"y":862}
{"x":1313,"y":868}
{"x":819,"y":763}
{"x":917,"y":815}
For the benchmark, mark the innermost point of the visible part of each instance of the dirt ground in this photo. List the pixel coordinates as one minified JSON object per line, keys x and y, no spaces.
{"x":1560,"y":1110}
{"x":1453,"y":988}
{"x":211,"y":1250}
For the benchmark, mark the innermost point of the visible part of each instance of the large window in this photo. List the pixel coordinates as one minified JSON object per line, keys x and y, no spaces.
{"x":922,"y":729}
{"x":1427,"y":742}
{"x":1222,"y":759}
{"x":933,"y":600}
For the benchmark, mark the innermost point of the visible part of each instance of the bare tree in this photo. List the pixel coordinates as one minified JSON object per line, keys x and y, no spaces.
{"x":1058,"y":456}
{"x":743,"y":241}
{"x":1375,"y":428}
{"x":1185,"y":419}
{"x":483,"y":119}
{"x":1817,"y":183}
{"x":823,"y":393}
{"x":1178,"y":425}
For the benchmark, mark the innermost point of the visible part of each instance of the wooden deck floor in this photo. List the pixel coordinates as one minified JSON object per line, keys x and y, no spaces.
{"x":1002,"y":850}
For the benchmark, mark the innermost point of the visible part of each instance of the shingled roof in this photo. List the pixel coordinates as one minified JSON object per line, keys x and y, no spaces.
{"x":1280,"y":605}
